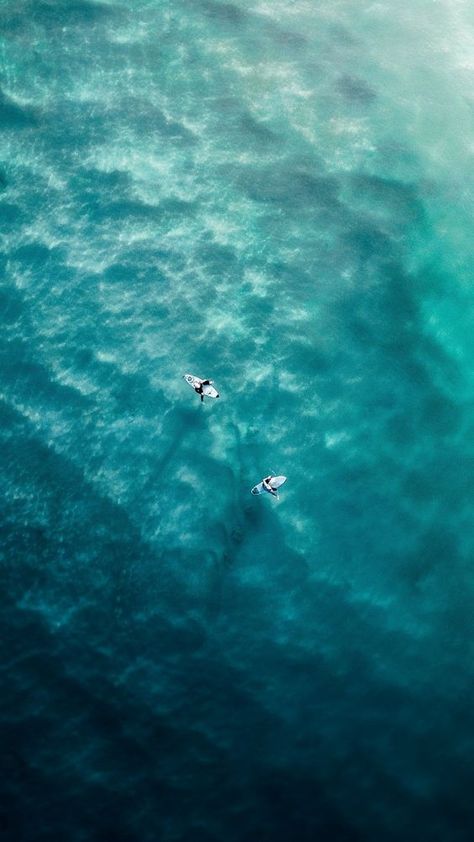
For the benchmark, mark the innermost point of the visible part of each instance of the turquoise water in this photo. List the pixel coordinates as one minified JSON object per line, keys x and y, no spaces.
{"x":278,"y":196}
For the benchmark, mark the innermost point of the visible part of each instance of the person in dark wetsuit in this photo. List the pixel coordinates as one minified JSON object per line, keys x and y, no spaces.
{"x":266,"y":484}
{"x":198,"y":389}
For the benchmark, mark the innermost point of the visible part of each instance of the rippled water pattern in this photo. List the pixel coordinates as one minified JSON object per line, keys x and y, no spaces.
{"x":277,"y":195}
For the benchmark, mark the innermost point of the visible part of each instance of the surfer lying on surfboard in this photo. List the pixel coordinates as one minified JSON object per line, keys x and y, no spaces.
{"x":202,"y":387}
{"x":267,"y":486}
{"x":199,"y":390}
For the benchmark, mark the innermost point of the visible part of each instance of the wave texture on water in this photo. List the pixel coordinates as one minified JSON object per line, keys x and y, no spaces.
{"x":277,"y":196}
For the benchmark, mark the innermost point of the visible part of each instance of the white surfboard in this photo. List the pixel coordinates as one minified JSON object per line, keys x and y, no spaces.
{"x":207,"y":390}
{"x":275,"y":483}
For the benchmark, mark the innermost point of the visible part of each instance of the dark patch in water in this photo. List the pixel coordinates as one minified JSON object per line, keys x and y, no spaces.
{"x":168,"y":127}
{"x":440,"y":415}
{"x":290,"y":40}
{"x":290,"y":187}
{"x":437,"y":553}
{"x":355,"y":90}
{"x":401,"y":199}
{"x":16,"y":116}
{"x":33,"y":253}
{"x":178,"y":206}
{"x":223,"y":12}
{"x":341,"y":35}
{"x":130,"y":208}
{"x":217,"y":258}
{"x":257,"y":129}
{"x":11,"y":305}
{"x":10,"y":214}
{"x":62,"y":12}
{"x":284,"y":798}
{"x":87,"y":180}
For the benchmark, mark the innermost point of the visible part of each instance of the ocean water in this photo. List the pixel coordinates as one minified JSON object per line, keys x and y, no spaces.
{"x":278,"y":196}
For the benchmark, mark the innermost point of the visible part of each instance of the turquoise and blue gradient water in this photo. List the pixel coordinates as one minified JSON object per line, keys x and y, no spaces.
{"x":278,"y":196}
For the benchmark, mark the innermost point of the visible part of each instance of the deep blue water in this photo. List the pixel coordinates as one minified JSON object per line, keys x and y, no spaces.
{"x":278,"y":196}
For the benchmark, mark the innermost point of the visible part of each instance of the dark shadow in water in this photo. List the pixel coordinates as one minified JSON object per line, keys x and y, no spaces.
{"x":15,"y":116}
{"x":222,"y":12}
{"x":257,"y":129}
{"x":398,"y":199}
{"x":67,"y":12}
{"x":10,"y":215}
{"x":437,"y":554}
{"x":134,"y":720}
{"x":109,"y":196}
{"x":12,"y":305}
{"x":355,"y":90}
